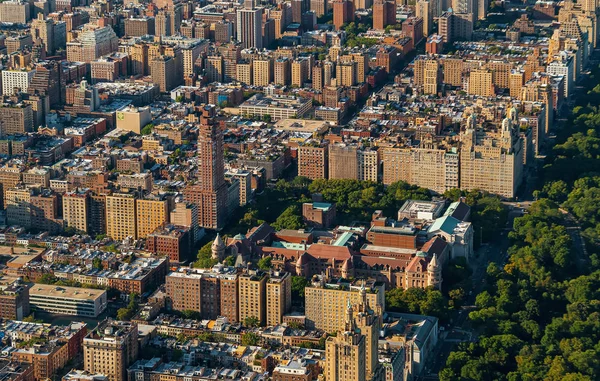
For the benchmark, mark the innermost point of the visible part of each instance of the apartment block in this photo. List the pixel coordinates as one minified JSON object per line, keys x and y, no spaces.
{"x":110,"y":348}
{"x":313,"y":159}
{"x":252,"y":297}
{"x":278,"y":297}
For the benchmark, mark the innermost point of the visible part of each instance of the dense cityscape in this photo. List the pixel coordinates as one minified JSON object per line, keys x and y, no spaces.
{"x":299,"y":190}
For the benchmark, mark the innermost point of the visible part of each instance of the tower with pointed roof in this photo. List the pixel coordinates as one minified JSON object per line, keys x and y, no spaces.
{"x":218,"y":248}
{"x":434,"y":273}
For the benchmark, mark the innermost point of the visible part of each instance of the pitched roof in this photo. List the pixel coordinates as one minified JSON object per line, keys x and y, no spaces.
{"x":327,"y":251}
{"x":458,"y":210}
{"x":435,"y":245}
{"x":446,"y":224}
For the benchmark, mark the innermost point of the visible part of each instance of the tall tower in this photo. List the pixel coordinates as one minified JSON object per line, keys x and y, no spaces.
{"x":249,"y":28}
{"x":218,"y":249}
{"x":212,"y":189}
{"x":434,"y":273}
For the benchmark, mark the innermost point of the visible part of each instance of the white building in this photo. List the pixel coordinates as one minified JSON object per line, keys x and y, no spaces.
{"x":67,"y":300}
{"x":563,"y":66}
{"x":16,"y":78}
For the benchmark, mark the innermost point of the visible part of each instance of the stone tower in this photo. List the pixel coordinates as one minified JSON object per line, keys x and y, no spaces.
{"x":218,"y":249}
{"x":434,"y":273}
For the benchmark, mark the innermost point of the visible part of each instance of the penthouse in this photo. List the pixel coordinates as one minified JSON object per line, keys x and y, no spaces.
{"x":277,"y":107}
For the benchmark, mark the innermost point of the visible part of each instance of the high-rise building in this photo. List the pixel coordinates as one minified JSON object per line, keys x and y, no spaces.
{"x":183,"y":289}
{"x":17,"y":202}
{"x":49,"y":81}
{"x":454,"y":69}
{"x":121,"y":216}
{"x":432,"y":76}
{"x":214,"y":69}
{"x":163,"y":69}
{"x":249,"y":28}
{"x":13,"y":79}
{"x":481,"y":83}
{"x":151,"y":212}
{"x":230,"y":297}
{"x":424,"y":11}
{"x":210,"y":194}
{"x":43,"y":29}
{"x":313,"y":160}
{"x":190,"y":55}
{"x":138,"y":54}
{"x":300,"y":69}
{"x":244,"y":72}
{"x":262,"y":72}
{"x":97,"y":220}
{"x":76,"y":209}
{"x":346,"y":73}
{"x":283,"y":73}
{"x":353,"y":353}
{"x":278,"y":297}
{"x":431,"y":167}
{"x":16,"y":12}
{"x":317,"y":76}
{"x":319,"y":7}
{"x":368,"y":164}
{"x":343,"y":12}
{"x":325,"y":307}
{"x":298,"y":9}
{"x":110,"y":348}
{"x":14,"y":300}
{"x":252,"y":297}
{"x":163,"y":23}
{"x":15,"y":118}
{"x":384,"y":14}
{"x":495,"y":166}
{"x":137,"y":27}
{"x":343,"y":161}
{"x":92,"y":43}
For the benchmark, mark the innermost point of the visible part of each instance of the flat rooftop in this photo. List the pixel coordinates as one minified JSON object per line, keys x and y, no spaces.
{"x":65,"y":292}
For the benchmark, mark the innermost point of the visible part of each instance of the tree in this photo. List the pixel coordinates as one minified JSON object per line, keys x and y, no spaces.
{"x":124,"y":314}
{"x":265,"y":263}
{"x":299,"y":283}
{"x":191,"y":314}
{"x":205,"y":260}
{"x":176,"y":354}
{"x":289,"y":219}
{"x":47,"y":279}
{"x":250,"y":339}
{"x":266,"y":118}
{"x":251,"y":322}
{"x":229,"y":261}
{"x":97,"y":263}
{"x":147,"y":129}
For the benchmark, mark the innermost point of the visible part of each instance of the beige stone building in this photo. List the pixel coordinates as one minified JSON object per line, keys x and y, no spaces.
{"x":325,"y":307}
{"x":121,"y":216}
{"x":481,"y":83}
{"x":279,"y":297}
{"x":252,"y":297}
{"x":263,"y":72}
{"x":75,"y":209}
{"x":244,"y":72}
{"x":428,"y":167}
{"x":150,"y":214}
{"x":110,"y":348}
{"x":492,"y":162}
